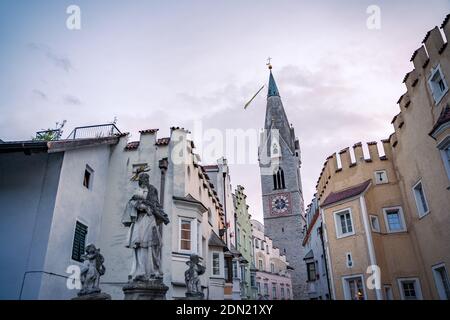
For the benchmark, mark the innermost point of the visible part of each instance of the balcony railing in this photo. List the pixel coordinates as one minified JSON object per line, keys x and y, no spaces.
{"x":94,"y":131}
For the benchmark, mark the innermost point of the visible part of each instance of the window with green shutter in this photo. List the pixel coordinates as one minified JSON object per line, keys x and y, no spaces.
{"x":79,"y":241}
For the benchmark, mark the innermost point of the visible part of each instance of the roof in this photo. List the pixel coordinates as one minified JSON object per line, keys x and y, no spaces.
{"x":215,"y":241}
{"x":146,"y":131}
{"x":133,"y":145}
{"x":444,"y":117}
{"x":163,"y":141}
{"x":31,"y":146}
{"x":192,"y":200}
{"x":309,"y":255}
{"x":211,"y":167}
{"x":273,"y":90}
{"x":334,"y":197}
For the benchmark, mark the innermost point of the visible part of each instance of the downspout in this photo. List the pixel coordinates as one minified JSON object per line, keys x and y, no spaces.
{"x":224,"y":175}
{"x":325,"y":259}
{"x":372,"y":257}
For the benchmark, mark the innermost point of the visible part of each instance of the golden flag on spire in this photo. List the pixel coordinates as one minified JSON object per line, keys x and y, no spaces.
{"x":246,"y":105}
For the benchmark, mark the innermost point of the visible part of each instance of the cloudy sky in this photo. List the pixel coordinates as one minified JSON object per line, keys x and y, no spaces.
{"x":156,"y":64}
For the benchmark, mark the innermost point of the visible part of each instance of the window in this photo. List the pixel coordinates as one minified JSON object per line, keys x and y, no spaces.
{"x":238,"y":236}
{"x":235,"y":269}
{"x":349,"y":259}
{"x":437,"y":84}
{"x":354,"y":288}
{"x":79,"y":241}
{"x":421,"y":201}
{"x":267,"y":248}
{"x":258,"y":287}
{"x":243,"y":273}
{"x":210,"y":217}
{"x":185,"y":235}
{"x":288,"y":292}
{"x":395,"y":221}
{"x":282,"y":293}
{"x":374,"y":223}
{"x":244,"y":242}
{"x":216,"y":264}
{"x":278,"y":180}
{"x":252,"y":279}
{"x":274,"y":291}
{"x":410,"y":289}
{"x":442,"y":282}
{"x":444,"y":147}
{"x":344,"y":224}
{"x":272,"y":267}
{"x":388,"y":293}
{"x":311,"y":269}
{"x":88,"y":175}
{"x":257,"y":243}
{"x":260,"y":265}
{"x":381,"y":177}
{"x":266,"y":289}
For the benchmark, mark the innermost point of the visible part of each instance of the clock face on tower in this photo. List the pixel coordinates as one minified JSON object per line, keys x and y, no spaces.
{"x":280,"y":204}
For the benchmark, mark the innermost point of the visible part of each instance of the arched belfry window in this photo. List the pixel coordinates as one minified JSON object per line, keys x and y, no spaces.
{"x":278,"y":180}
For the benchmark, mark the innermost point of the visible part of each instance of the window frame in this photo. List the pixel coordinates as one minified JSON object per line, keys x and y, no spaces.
{"x":309,"y":270}
{"x":378,"y":229}
{"x":401,"y":216}
{"x":430,"y":80}
{"x":439,"y":285}
{"x":417,"y":287}
{"x":346,"y":286}
{"x":419,"y":211}
{"x":213,"y":268}
{"x":337,"y":223}
{"x":442,"y":147}
{"x":193,"y":239}
{"x":90,"y":184}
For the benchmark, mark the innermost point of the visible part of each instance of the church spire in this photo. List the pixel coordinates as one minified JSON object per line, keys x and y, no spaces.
{"x":276,"y":117}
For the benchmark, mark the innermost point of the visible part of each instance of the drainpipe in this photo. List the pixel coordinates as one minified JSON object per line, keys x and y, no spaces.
{"x":325,"y":259}
{"x":372,"y":257}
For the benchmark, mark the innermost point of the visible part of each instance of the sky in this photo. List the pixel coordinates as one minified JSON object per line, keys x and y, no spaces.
{"x":194,"y":64}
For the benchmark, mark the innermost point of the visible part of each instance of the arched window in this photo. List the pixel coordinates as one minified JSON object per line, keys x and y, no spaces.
{"x":278,"y":180}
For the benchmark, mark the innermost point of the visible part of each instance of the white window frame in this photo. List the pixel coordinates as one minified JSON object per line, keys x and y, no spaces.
{"x":194,"y":237}
{"x":337,"y":223}
{"x":402,"y":219}
{"x":376,"y":228}
{"x":417,"y":287}
{"x":212,"y":264}
{"x":445,"y":157}
{"x":419,"y":201}
{"x":385,"y":175}
{"x":437,"y":280}
{"x":437,"y":99}
{"x":347,"y":289}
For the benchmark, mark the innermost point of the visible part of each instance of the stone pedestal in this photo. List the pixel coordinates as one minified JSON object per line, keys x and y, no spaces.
{"x":94,"y":296}
{"x":195,"y":296}
{"x":153,"y":289}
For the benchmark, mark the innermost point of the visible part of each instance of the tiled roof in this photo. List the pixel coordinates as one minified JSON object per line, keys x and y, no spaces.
{"x":334,"y":197}
{"x":444,"y":117}
{"x":132,"y":145}
{"x":162,"y":141}
{"x":148,"y":131}
{"x":215,"y":241}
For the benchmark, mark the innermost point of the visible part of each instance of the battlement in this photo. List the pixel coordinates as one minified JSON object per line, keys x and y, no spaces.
{"x":331,"y":167}
{"x":426,"y":57}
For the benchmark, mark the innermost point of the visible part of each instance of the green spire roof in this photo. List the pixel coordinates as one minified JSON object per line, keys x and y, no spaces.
{"x":273,"y":90}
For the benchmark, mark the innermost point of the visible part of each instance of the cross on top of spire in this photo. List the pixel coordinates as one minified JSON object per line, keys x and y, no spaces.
{"x":268,"y":63}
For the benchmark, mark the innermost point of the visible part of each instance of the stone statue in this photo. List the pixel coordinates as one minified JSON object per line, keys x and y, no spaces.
{"x":144,"y":216}
{"x":91,"y":271}
{"x":192,"y":276}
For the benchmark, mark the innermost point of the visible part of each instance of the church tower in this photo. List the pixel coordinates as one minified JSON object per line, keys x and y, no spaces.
{"x":279,"y":162}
